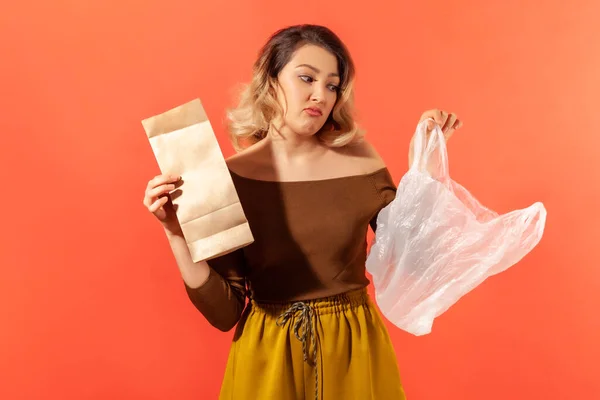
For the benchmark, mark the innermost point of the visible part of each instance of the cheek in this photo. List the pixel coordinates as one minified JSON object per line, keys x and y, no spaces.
{"x":331,"y":103}
{"x":291,"y":95}
{"x":298,"y":94}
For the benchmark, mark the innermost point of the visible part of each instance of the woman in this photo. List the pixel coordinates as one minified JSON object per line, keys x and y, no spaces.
{"x":310,"y":186}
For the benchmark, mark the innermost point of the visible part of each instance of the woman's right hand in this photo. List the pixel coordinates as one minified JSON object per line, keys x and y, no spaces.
{"x":157,"y":200}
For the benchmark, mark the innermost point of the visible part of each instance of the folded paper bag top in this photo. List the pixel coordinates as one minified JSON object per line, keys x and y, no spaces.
{"x":209,"y":210}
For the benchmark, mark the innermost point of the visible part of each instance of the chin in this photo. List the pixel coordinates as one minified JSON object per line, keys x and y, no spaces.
{"x":307,"y":130}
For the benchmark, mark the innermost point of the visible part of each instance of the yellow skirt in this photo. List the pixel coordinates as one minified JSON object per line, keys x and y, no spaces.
{"x":335,"y":348}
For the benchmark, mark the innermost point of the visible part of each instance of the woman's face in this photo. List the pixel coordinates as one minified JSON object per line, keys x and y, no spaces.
{"x":308,"y":89}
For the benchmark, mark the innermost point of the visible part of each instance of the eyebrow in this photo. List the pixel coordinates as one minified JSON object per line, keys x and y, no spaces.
{"x":317,"y":70}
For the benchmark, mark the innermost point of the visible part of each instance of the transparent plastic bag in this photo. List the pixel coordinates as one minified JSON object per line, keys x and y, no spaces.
{"x":435,"y":242}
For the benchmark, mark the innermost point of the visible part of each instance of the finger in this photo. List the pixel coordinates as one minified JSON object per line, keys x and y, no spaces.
{"x":430,"y":125}
{"x":457,"y":125}
{"x":175,"y":194}
{"x":449,"y":123}
{"x":162,"y":179}
{"x":160,"y":190}
{"x":158,"y":204}
{"x":438,"y":116}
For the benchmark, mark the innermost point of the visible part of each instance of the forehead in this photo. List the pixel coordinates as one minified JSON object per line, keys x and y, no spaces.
{"x":315,"y":56}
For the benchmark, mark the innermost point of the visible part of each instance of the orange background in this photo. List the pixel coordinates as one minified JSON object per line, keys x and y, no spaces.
{"x":91,"y":303}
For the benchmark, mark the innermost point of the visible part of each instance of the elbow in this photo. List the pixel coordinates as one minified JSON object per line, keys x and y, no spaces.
{"x":222,"y":319}
{"x":225,"y":324}
{"x":224,"y":327}
{"x":220,"y":306}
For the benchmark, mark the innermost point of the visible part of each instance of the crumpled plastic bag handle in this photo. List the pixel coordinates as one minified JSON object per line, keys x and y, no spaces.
{"x":425,"y":151}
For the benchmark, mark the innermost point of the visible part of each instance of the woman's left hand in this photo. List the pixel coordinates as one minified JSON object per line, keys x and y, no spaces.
{"x":448,"y":121}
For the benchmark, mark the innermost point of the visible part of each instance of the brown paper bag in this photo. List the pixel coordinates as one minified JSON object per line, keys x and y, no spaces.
{"x":208,"y":209}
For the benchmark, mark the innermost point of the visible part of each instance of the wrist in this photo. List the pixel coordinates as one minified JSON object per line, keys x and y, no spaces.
{"x":172,"y":230}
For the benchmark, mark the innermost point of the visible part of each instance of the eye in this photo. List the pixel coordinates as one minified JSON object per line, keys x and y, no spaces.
{"x":306,"y":78}
{"x":334,"y":88}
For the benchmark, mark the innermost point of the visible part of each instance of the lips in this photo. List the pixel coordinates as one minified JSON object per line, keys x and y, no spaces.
{"x":315,"y":112}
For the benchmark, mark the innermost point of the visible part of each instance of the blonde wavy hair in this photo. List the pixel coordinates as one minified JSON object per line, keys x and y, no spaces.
{"x":258,"y":107}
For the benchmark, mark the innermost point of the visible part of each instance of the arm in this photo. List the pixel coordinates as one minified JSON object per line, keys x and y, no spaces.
{"x":387,"y":191}
{"x":217,"y":288}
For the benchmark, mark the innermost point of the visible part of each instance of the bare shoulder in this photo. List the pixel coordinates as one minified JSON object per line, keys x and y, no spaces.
{"x":365,"y":155}
{"x":246,"y":161}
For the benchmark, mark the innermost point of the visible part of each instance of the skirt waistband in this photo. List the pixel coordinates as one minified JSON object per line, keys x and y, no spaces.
{"x":320,"y":306}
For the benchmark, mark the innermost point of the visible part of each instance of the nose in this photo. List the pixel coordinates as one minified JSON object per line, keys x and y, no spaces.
{"x":318,"y":94}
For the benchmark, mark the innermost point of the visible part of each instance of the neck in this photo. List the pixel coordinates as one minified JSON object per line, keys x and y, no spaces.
{"x":289,"y":147}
